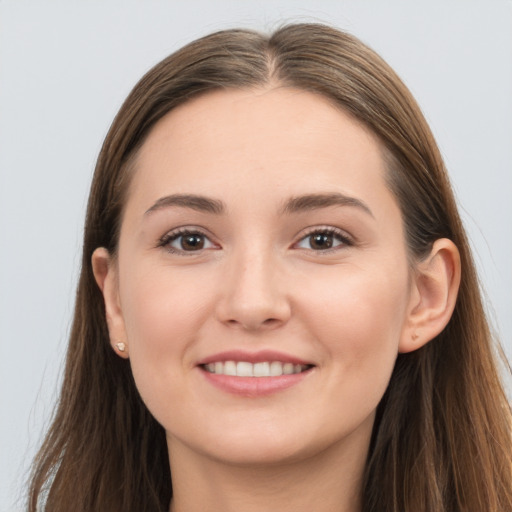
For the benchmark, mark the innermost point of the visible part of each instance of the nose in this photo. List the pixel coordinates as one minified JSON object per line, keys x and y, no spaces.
{"x":253,"y":295}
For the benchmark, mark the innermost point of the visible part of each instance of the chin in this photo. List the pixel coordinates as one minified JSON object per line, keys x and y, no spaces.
{"x":268,"y":445}
{"x":261,"y":453}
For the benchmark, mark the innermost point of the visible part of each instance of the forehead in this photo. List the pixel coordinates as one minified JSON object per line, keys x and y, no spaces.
{"x":257,"y":141}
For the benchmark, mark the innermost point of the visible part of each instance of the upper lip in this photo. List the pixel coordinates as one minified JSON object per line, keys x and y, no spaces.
{"x":253,"y":357}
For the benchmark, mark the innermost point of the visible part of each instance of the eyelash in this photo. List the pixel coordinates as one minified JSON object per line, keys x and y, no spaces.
{"x":338,"y":234}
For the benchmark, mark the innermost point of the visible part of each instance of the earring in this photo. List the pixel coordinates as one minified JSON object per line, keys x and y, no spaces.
{"x":415,"y":336}
{"x":121,"y":346}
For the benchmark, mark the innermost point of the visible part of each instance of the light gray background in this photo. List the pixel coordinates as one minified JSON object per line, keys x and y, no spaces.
{"x":66,"y":66}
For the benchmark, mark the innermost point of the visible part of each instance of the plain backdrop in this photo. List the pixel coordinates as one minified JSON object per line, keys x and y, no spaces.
{"x":65,"y":68}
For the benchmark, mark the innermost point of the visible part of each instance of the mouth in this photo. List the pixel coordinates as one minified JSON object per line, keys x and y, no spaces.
{"x":257,"y":374}
{"x":260,"y":369}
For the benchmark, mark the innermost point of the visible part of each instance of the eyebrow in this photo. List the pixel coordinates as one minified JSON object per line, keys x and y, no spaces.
{"x":293,"y":205}
{"x":317,"y":201}
{"x":192,"y":201}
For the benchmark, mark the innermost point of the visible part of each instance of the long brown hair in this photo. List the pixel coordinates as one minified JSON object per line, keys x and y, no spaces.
{"x":442,"y":435}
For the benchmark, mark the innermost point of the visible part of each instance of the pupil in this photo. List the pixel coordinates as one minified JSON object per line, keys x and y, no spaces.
{"x":191,"y":242}
{"x":320,"y":241}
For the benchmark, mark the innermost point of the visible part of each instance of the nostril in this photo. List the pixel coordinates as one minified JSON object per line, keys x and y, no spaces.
{"x":254,"y":324}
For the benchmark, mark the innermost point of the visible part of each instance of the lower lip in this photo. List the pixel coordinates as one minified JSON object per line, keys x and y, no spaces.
{"x":254,"y":386}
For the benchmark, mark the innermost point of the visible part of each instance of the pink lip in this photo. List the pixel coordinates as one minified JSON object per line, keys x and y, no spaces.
{"x":253,"y":386}
{"x":252,"y":357}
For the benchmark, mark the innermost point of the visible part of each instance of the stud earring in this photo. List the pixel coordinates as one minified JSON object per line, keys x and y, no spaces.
{"x":415,"y":336}
{"x":121,"y":346}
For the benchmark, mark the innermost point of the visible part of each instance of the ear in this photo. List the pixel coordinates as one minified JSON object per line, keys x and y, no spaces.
{"x":435,"y":285}
{"x":105,"y":273}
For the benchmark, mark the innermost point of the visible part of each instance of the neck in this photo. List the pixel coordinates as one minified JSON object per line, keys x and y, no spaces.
{"x":329,"y":481}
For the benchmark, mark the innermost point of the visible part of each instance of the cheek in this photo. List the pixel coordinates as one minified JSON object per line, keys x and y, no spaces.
{"x":160,"y":305}
{"x":163,"y":311}
{"x":359,"y":321}
{"x":362,"y":335}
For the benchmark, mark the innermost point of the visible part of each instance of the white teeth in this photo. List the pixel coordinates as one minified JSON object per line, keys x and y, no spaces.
{"x":229,"y":368}
{"x":261,"y":370}
{"x":276,"y":369}
{"x":246,"y":369}
{"x":288,"y":368}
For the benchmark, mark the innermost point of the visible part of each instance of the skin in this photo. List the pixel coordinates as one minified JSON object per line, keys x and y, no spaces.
{"x":258,"y":283}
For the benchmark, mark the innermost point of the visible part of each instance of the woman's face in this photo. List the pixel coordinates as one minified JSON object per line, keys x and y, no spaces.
{"x":260,"y":238}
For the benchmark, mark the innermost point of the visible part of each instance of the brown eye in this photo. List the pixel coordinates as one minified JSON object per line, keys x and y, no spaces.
{"x":324,"y":239}
{"x":320,"y":241}
{"x":186,"y":241}
{"x":191,"y":242}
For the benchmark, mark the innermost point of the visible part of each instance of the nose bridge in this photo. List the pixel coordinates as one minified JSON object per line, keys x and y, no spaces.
{"x":253,"y":296}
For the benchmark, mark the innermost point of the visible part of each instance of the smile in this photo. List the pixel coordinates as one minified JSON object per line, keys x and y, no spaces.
{"x":260,"y":369}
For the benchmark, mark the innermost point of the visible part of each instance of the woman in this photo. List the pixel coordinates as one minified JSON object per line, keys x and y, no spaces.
{"x":277,"y":308}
